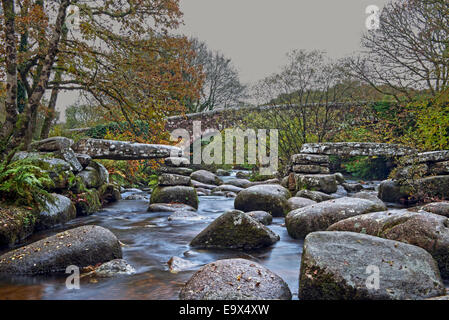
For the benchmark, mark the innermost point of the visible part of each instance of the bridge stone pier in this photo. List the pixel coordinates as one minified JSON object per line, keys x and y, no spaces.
{"x":426,"y":171}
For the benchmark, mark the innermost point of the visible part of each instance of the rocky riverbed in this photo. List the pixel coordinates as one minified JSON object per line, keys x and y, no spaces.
{"x":288,"y":250}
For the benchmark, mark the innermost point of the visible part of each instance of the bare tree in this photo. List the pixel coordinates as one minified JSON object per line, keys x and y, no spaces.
{"x":222,"y":87}
{"x":409,"y":53}
{"x":303,"y":100}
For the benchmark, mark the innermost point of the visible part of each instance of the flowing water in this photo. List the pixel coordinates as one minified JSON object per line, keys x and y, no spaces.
{"x":150,"y":241}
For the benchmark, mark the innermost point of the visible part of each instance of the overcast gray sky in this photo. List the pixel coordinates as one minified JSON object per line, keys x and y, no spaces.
{"x":256,"y":34}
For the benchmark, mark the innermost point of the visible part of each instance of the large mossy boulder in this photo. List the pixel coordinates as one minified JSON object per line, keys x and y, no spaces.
{"x":82,"y":247}
{"x":16,"y":224}
{"x":391,"y":191}
{"x":270,"y":197}
{"x":175,"y":194}
{"x":235,"y":230}
{"x":56,"y":212}
{"x":320,"y":216}
{"x":87,"y":202}
{"x":169,"y":179}
{"x":109,"y":193}
{"x":60,"y":171}
{"x":338,"y":266}
{"x":235,"y":279}
{"x":326,"y":183}
{"x":426,"y":230}
{"x":206,"y":177}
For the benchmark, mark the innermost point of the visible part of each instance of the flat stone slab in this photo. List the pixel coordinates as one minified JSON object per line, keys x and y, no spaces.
{"x":123,"y":150}
{"x":357,"y":149}
{"x":433,"y":156}
{"x":302,"y":158}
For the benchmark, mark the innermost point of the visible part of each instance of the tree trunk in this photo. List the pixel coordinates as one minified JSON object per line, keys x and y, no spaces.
{"x":50,"y":116}
{"x":24,"y":133}
{"x":7,"y":128}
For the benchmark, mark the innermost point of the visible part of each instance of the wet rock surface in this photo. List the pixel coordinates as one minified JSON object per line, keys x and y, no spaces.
{"x":175,"y":194}
{"x":314,"y":195}
{"x":169,"y":207}
{"x":270,"y":198}
{"x":206,"y":177}
{"x":263,"y":217}
{"x":334,"y":267}
{"x":297,"y":203}
{"x":319,"y":217}
{"x":82,"y":246}
{"x":167,"y":180}
{"x":60,"y":211}
{"x":440,"y":208}
{"x":235,"y":279}
{"x":116,"y":267}
{"x":425,"y":230}
{"x":235,"y":230}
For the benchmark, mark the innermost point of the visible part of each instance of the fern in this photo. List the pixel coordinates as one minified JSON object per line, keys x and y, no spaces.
{"x":24,"y":183}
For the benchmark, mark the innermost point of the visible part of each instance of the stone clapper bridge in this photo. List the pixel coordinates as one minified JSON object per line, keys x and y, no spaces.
{"x":124,"y":150}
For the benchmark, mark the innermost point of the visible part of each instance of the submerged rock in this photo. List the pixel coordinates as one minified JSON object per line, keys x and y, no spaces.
{"x":235,"y":279}
{"x":176,"y":264}
{"x":338,"y":265}
{"x":422,"y":229}
{"x":169,"y":207}
{"x":319,"y":217}
{"x":176,"y":194}
{"x":117,"y":267}
{"x":185,"y":216}
{"x":227,"y":188}
{"x":235,"y":230}
{"x":270,"y":198}
{"x":83,"y":246}
{"x":206,"y":177}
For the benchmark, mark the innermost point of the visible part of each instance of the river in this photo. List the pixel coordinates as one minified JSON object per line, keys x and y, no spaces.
{"x":150,"y":241}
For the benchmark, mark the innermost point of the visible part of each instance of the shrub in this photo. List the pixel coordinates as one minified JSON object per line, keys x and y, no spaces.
{"x":24,"y":183}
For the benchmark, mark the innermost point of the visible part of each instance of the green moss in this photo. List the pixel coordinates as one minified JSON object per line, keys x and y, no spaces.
{"x":16,"y":224}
